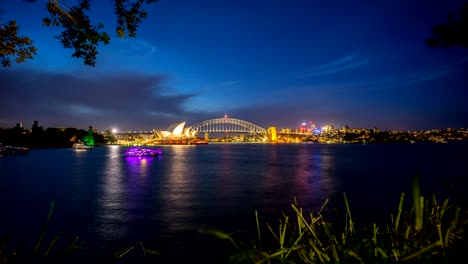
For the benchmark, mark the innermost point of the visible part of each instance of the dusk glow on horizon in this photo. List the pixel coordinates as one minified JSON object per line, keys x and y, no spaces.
{"x":273,"y":63}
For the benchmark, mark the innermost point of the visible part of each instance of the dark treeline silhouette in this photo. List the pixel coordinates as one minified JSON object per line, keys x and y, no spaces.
{"x":38,"y":137}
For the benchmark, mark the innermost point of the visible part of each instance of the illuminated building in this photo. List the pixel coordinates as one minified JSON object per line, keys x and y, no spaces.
{"x":303,"y":127}
{"x":176,"y":134}
{"x":312,"y":126}
{"x":327,"y":129}
{"x":272,"y":134}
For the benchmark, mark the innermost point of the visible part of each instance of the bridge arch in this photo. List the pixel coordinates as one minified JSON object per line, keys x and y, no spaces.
{"x":225,"y":124}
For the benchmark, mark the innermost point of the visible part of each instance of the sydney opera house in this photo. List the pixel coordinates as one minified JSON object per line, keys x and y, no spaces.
{"x":176,"y":134}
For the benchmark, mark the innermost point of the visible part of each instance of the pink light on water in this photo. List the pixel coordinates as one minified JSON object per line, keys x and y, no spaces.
{"x":142,"y":152}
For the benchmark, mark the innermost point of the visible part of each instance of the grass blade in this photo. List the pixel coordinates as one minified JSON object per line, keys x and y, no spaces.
{"x":258,"y":226}
{"x":52,"y":243}
{"x":44,"y":228}
{"x":400,"y":209}
{"x":431,"y":246}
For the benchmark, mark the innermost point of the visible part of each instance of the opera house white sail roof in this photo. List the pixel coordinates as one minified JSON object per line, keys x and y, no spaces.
{"x":178,"y":131}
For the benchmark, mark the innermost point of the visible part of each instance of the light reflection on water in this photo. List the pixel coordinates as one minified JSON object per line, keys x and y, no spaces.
{"x":111,"y":209}
{"x":111,"y":198}
{"x":191,"y":186}
{"x":305,"y":175}
{"x":178,"y":194}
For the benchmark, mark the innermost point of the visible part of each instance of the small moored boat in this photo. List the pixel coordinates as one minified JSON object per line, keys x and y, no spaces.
{"x":142,"y":152}
{"x":80,"y":146}
{"x":11,"y":150}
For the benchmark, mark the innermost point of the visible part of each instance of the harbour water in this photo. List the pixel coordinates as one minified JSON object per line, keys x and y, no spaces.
{"x":167,"y":202}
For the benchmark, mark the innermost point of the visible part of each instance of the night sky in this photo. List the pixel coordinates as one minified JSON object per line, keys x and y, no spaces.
{"x":273,"y":63}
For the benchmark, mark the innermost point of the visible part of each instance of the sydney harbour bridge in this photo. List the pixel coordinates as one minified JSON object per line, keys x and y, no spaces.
{"x":226,"y":127}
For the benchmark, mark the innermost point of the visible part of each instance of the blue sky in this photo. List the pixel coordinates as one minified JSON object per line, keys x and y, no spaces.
{"x":273,"y":63}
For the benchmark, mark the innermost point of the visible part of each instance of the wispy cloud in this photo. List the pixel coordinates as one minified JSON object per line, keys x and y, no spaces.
{"x":135,"y":47}
{"x":348,"y":62}
{"x":417,"y":77}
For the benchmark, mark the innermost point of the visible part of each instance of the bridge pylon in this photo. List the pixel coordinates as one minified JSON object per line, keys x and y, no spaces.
{"x":272,"y":134}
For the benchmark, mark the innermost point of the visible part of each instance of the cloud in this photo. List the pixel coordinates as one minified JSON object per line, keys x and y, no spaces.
{"x":348,"y":62}
{"x":417,"y":77}
{"x":409,"y":79}
{"x":132,"y":47}
{"x":132,"y":100}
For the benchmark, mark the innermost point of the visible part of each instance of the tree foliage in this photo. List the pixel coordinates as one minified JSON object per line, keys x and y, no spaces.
{"x":453,"y":33}
{"x":13,"y":47}
{"x":79,"y":33}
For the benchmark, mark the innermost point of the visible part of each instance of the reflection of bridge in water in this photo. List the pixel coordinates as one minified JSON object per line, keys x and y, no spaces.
{"x":231,"y":126}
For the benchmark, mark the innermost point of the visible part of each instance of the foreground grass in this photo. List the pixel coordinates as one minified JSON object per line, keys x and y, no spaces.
{"x":45,"y":249}
{"x":431,"y":231}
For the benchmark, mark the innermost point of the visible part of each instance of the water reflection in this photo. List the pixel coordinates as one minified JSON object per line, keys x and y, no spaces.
{"x":320,"y":179}
{"x":138,"y":171}
{"x":274,"y":170}
{"x":196,"y":183}
{"x":139,"y":167}
{"x":301,"y":172}
{"x":78,"y":173}
{"x":112,"y":199}
{"x":116,"y":199}
{"x":125,"y":197}
{"x":178,"y":189}
{"x":226,"y":180}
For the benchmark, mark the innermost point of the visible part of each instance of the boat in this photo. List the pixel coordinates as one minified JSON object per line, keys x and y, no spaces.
{"x":142,"y":152}
{"x":11,"y":150}
{"x":81,"y":146}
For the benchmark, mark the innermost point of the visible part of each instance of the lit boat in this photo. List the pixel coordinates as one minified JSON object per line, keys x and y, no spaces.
{"x":142,"y":152}
{"x":80,"y":146}
{"x":11,"y":150}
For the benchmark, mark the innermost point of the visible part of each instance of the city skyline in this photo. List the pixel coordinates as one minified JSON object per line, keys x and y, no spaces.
{"x":362,"y":64}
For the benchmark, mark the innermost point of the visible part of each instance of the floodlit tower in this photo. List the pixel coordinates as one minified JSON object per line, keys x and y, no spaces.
{"x":272,"y":134}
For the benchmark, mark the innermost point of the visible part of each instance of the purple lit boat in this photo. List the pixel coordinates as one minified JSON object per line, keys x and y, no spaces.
{"x":142,"y":152}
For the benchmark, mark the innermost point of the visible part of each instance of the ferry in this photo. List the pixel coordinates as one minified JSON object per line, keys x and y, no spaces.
{"x":80,"y":146}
